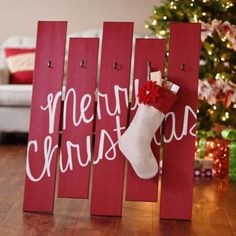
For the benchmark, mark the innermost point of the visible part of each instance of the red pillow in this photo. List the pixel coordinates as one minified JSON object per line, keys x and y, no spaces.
{"x":21,"y":64}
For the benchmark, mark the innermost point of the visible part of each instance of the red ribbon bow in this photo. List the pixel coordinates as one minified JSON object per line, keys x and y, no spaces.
{"x":149,"y":93}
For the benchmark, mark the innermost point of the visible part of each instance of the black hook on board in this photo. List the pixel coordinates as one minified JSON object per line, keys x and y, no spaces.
{"x":49,"y":64}
{"x":182,"y":67}
{"x":82,"y":64}
{"x":115,"y":65}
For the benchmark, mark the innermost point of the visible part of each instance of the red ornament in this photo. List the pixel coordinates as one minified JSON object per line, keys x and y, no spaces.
{"x":227,"y":29}
{"x":149,"y":93}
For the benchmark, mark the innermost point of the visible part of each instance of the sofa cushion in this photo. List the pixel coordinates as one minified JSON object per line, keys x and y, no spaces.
{"x":21,"y":64}
{"x":15,"y":95}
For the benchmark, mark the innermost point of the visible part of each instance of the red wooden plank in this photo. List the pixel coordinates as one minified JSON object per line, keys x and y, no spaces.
{"x":179,"y":135}
{"x":78,"y":118}
{"x":45,"y":116}
{"x":153,"y":51}
{"x":108,"y":172}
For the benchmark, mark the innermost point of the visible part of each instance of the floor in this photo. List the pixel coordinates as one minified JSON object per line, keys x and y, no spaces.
{"x":214,"y":209}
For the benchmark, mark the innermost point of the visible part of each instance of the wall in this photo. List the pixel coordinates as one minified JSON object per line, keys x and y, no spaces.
{"x":20,"y":17}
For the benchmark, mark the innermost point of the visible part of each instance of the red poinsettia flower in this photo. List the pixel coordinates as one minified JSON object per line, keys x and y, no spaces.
{"x":149,"y":93}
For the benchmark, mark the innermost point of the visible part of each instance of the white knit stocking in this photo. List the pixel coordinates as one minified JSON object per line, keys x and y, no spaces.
{"x":135,"y":143}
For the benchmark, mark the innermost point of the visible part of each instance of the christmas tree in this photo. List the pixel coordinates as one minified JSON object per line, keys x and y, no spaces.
{"x":217,"y":77}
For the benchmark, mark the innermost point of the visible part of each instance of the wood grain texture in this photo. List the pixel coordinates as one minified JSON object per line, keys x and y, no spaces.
{"x":146,"y":51}
{"x":78,"y":118}
{"x":112,"y":113}
{"x":45,"y":117}
{"x":180,"y":123}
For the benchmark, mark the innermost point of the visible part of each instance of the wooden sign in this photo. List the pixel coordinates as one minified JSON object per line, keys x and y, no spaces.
{"x":112,"y":111}
{"x":45,"y":116}
{"x":179,"y":135}
{"x":148,"y":52}
{"x":78,"y":118}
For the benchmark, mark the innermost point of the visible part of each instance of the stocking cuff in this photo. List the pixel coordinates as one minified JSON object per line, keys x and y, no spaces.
{"x":159,"y":97}
{"x":166,"y":100}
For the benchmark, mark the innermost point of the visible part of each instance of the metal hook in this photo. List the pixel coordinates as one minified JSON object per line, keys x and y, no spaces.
{"x":182,"y":66}
{"x":115,"y":65}
{"x":82,"y":62}
{"x":49,"y":64}
{"x":148,"y":70}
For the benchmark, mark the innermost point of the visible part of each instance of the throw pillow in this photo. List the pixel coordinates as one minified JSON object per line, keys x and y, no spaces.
{"x":20,"y":62}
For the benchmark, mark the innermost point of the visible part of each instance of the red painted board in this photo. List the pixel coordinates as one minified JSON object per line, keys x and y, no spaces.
{"x":153,"y":51}
{"x":78,"y":117}
{"x":179,"y":134}
{"x":45,"y":117}
{"x":112,"y":111}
